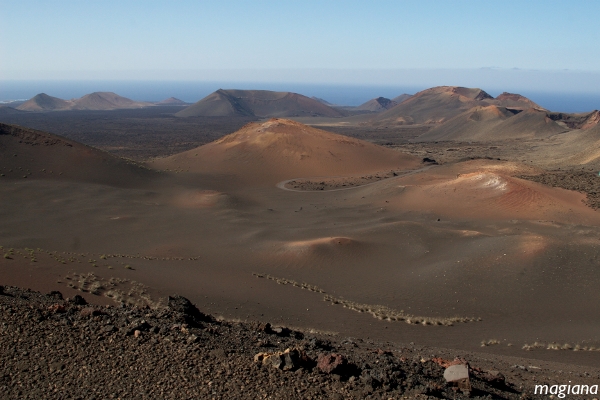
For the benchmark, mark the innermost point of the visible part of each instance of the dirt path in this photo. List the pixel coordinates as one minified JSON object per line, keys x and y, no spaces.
{"x":282,"y":184}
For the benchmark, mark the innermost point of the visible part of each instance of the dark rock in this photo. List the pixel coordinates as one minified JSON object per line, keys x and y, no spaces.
{"x":288,"y":360}
{"x":281,"y":331}
{"x":218,"y":353}
{"x":263,"y":327}
{"x":367,"y":380}
{"x":494,"y":378}
{"x":141,"y":326}
{"x":291,"y":360}
{"x":319,"y":344}
{"x":191,"y":314}
{"x":55,"y":294}
{"x":57,"y":366}
{"x":78,"y":300}
{"x":90,"y":312}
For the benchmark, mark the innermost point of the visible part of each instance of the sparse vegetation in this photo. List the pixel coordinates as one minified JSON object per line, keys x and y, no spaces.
{"x":378,"y":311}
{"x":558,"y":346}
{"x":491,"y":342}
{"x":283,"y":281}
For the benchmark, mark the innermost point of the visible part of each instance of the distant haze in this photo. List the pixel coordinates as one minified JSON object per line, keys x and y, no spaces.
{"x":559,"y":96}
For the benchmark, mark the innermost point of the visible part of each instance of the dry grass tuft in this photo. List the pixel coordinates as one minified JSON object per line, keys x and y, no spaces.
{"x":558,"y":346}
{"x":378,"y":311}
{"x":491,"y":342}
{"x":283,"y":281}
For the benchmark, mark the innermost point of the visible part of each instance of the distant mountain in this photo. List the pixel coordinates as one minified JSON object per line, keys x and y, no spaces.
{"x":172,"y":101}
{"x":43,"y":102}
{"x":401,"y":98}
{"x":105,"y":101}
{"x":320,"y":100}
{"x":577,"y":121}
{"x":439,"y":104}
{"x":377,"y":105}
{"x":514,"y":100}
{"x":7,"y":110}
{"x":493,"y":123}
{"x":579,"y":147}
{"x":92,"y":101}
{"x":592,"y":120}
{"x":258,"y":103}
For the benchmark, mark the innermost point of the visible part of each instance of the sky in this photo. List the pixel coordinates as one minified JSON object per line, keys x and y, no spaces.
{"x":534,"y":43}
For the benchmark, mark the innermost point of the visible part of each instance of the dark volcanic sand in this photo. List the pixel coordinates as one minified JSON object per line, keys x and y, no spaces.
{"x":52,"y":348}
{"x":449,"y":242}
{"x":137,"y":134}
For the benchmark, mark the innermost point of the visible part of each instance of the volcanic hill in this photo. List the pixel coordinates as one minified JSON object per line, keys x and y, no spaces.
{"x":172,"y":101}
{"x":258,"y":103}
{"x":320,"y":100}
{"x":439,"y":104}
{"x":43,"y":102}
{"x":92,"y":101}
{"x":32,"y":154}
{"x":492,"y":123}
{"x":105,"y":101}
{"x":401,"y":98}
{"x":282,"y":149}
{"x":378,"y":104}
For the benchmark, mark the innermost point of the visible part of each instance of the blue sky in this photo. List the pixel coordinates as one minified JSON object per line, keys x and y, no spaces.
{"x":303,"y":41}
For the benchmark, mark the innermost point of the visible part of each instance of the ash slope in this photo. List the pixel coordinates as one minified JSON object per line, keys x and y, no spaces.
{"x":32,"y":154}
{"x":493,"y":123}
{"x":259,"y":103}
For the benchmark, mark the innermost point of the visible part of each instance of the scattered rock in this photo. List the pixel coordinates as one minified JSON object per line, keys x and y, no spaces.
{"x":74,"y":352}
{"x":57,"y":308}
{"x":289,"y":359}
{"x":192,"y":339}
{"x":78,"y":300}
{"x":447,"y":363}
{"x":493,"y":378}
{"x":90,"y":312}
{"x":459,"y":375}
{"x":191,"y":314}
{"x":56,"y":295}
{"x":457,"y":372}
{"x":332,"y":363}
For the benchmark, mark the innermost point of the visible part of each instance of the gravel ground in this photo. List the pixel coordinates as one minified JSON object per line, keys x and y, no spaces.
{"x":67,"y":349}
{"x":587,"y":182}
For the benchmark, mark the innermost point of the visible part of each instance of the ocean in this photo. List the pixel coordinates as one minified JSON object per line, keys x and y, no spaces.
{"x":348,"y":95}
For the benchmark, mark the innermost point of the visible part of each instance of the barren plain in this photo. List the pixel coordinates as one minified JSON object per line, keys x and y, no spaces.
{"x":477,"y":245}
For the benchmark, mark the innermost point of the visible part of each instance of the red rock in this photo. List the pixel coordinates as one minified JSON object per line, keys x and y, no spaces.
{"x":331,"y":363}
